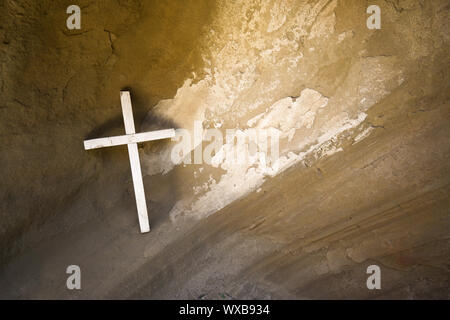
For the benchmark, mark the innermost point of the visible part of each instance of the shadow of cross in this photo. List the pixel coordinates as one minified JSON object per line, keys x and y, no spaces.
{"x":131,"y":139}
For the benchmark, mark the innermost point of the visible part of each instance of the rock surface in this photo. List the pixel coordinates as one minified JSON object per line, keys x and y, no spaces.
{"x":363,"y":175}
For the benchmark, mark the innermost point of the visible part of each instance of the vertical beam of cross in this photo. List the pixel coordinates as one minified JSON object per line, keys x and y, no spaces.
{"x":131,"y":139}
{"x":134,"y":162}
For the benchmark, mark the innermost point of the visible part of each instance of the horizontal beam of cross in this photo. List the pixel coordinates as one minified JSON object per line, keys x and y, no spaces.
{"x":128,"y":138}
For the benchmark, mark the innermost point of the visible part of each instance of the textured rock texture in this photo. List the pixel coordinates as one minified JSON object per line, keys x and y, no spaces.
{"x":60,"y":87}
{"x":363,"y":175}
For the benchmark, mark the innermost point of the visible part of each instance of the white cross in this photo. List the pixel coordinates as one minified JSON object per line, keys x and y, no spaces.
{"x":131,"y":139}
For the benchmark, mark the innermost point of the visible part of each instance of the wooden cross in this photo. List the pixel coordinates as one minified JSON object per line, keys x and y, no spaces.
{"x":131,"y":139}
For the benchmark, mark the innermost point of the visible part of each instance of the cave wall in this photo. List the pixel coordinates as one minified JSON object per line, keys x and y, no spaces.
{"x":363,"y":175}
{"x":60,"y":86}
{"x":311,"y":71}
